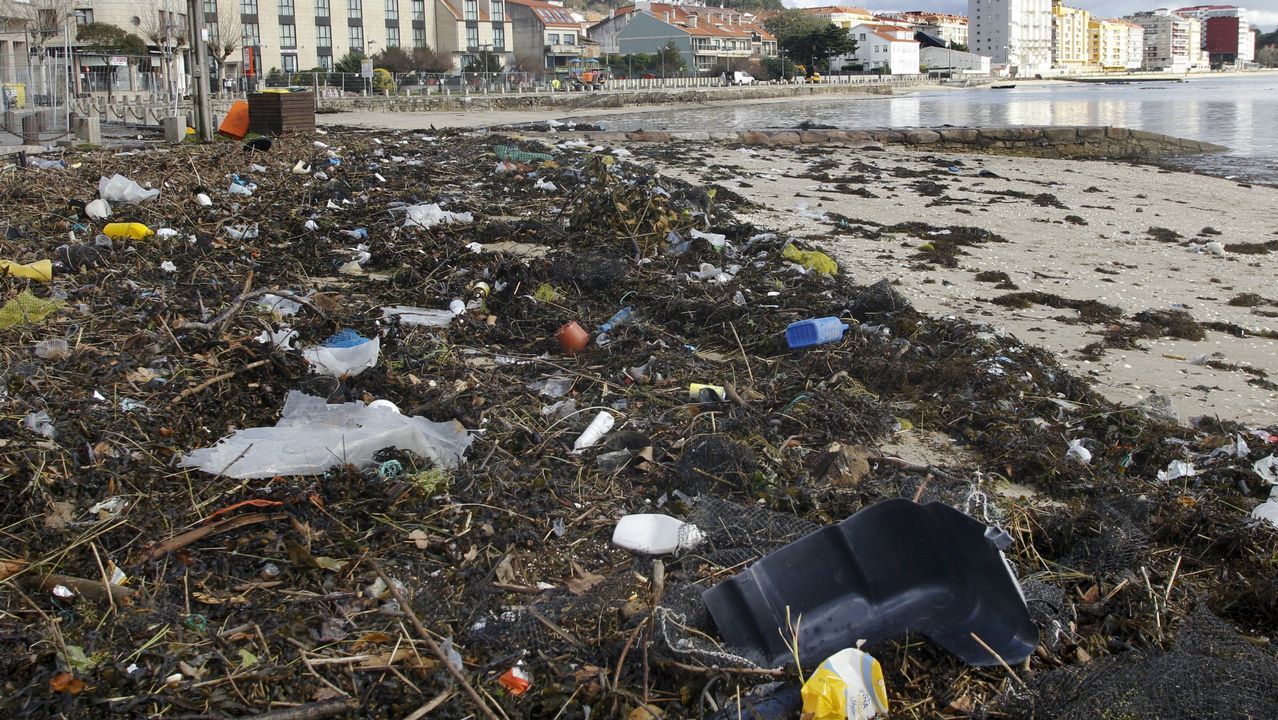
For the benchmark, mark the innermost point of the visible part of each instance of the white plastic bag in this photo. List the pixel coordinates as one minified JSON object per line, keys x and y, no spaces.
{"x":428,"y":215}
{"x":344,"y":354}
{"x":98,"y":209}
{"x":313,"y":436}
{"x":118,"y":188}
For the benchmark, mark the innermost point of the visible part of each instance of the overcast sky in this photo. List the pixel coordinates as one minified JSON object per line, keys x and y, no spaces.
{"x":1263,"y":12}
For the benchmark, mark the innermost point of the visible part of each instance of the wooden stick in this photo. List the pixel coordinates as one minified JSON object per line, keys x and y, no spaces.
{"x":217,"y":379}
{"x":435,"y":649}
{"x":430,"y":705}
{"x":311,"y":711}
{"x":178,"y":542}
{"x":1000,"y":660}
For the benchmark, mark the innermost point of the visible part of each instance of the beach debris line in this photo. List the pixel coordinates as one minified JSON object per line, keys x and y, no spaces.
{"x":287,"y":489}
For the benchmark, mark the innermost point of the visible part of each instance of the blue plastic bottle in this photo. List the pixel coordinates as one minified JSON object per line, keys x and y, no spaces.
{"x":806,"y":333}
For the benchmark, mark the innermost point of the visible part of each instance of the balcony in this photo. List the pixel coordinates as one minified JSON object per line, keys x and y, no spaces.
{"x":562,"y":49}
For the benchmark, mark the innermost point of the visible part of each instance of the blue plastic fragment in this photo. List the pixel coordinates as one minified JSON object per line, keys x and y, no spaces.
{"x":345,"y":339}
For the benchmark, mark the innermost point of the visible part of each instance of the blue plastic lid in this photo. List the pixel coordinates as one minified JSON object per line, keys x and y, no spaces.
{"x":345,"y":339}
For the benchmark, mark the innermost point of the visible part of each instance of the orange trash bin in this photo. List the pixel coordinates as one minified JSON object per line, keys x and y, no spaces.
{"x":236,"y":123}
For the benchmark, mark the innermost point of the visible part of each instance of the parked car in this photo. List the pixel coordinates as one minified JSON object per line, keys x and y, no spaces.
{"x":741,"y":78}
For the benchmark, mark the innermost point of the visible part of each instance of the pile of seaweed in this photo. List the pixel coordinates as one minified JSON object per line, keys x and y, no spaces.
{"x":395,"y":586}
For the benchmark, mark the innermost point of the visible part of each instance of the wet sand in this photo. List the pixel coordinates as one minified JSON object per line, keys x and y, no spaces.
{"x":1095,"y":247}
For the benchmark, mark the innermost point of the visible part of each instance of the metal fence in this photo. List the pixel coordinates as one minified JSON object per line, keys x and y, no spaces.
{"x":334,"y":85}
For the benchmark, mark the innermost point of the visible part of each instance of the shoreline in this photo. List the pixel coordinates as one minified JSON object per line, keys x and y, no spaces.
{"x":508,"y":118}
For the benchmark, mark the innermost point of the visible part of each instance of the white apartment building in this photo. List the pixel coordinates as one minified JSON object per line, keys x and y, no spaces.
{"x":1135,"y":45}
{"x":1016,"y":34}
{"x":294,"y":35}
{"x":881,"y":47}
{"x":1171,"y":42}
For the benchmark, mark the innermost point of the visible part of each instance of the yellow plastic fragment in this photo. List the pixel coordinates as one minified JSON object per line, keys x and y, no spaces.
{"x":40,"y":270}
{"x":848,"y":686}
{"x":26,"y":308}
{"x":810,"y":259}
{"x":127,"y":231}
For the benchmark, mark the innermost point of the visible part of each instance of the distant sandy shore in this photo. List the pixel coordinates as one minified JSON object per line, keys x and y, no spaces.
{"x":1096,"y":246}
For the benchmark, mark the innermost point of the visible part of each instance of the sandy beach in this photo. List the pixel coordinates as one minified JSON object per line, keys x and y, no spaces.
{"x":1074,"y":230}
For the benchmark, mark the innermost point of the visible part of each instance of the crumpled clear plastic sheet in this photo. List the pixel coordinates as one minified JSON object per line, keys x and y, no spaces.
{"x":428,"y":215}
{"x":313,"y":436}
{"x":118,"y":188}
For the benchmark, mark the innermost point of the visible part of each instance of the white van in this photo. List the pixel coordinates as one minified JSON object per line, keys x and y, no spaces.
{"x":741,"y":78}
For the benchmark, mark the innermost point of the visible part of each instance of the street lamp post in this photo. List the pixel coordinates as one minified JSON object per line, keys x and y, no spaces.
{"x":66,"y":62}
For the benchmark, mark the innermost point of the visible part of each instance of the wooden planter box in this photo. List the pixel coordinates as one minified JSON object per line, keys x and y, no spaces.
{"x":281,"y":113}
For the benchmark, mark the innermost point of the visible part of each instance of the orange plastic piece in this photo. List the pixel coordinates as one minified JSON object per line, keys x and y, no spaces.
{"x":516,"y":680}
{"x":236,"y":124}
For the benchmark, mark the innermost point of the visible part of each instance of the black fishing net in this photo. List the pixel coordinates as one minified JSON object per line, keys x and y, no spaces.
{"x":1211,"y":671}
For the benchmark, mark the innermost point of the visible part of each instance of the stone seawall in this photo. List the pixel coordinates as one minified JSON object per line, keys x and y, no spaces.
{"x":591,"y":100}
{"x":1052,"y":142}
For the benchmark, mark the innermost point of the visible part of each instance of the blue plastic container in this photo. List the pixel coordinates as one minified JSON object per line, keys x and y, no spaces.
{"x":816,"y":331}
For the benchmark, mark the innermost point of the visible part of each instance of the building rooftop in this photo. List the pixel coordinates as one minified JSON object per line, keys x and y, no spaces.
{"x":549,"y":14}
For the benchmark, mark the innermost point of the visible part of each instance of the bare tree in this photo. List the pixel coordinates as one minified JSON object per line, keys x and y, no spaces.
{"x":225,"y":34}
{"x":163,"y":24}
{"x":43,"y":21}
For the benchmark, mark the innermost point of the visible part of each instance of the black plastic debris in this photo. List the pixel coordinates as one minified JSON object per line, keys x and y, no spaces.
{"x":893,"y":567}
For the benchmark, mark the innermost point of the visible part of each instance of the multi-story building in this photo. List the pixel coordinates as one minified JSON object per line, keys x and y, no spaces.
{"x":1227,"y":37}
{"x":1135,"y":45}
{"x":1108,"y":44}
{"x":1171,"y":41}
{"x":841,"y":15}
{"x":880,"y":47}
{"x":547,"y":31}
{"x":1015,"y":34}
{"x":1071,"y":37}
{"x":708,"y":38}
{"x":952,"y":29}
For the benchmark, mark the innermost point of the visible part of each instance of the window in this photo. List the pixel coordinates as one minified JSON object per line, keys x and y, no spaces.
{"x":326,"y":62}
{"x":288,"y":63}
{"x":472,"y":37}
{"x":210,"y":7}
{"x":497,"y":9}
{"x":499,"y":37}
{"x":552,"y":38}
{"x":354,"y":8}
{"x":250,"y":36}
{"x":419,"y":10}
{"x":321,"y":8}
{"x":392,"y":36}
{"x":83,"y":16}
{"x":419,"y":37}
{"x":862,"y":37}
{"x":472,"y":9}
{"x":357,"y":38}
{"x":570,"y":38}
{"x":248,"y":7}
{"x":288,"y":35}
{"x":324,"y":36}
{"x":286,"y":7}
{"x":392,"y":9}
